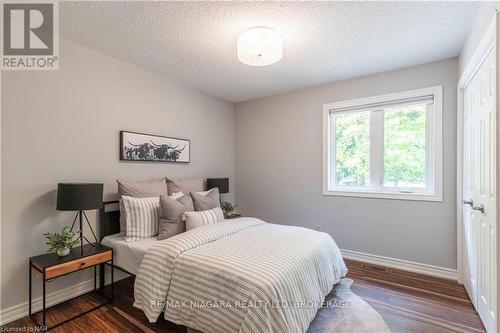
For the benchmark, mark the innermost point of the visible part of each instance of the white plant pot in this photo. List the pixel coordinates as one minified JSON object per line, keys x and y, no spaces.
{"x":63,"y":253}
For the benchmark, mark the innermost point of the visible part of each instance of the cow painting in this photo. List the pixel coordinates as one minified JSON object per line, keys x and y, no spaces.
{"x":154,"y":148}
{"x":167,"y":152}
{"x":141,"y":151}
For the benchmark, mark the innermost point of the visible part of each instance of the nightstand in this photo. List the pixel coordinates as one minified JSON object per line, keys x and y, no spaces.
{"x":51,"y":266}
{"x":232,"y":216}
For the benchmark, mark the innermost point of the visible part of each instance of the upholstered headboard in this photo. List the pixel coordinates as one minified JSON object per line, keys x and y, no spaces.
{"x":109,"y":214}
{"x":109,"y":219}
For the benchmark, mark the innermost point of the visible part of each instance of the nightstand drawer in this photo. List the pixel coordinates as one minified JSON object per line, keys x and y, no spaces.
{"x":75,"y":265}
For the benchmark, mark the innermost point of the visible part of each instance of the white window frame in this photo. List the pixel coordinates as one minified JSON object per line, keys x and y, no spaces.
{"x":434,"y":144}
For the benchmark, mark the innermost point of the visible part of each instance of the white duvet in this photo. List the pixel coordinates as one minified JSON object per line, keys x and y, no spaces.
{"x":241,"y":275}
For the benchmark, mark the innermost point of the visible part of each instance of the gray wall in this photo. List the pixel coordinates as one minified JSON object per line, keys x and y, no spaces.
{"x":279,"y":170}
{"x":482,"y":20}
{"x":63,"y":126}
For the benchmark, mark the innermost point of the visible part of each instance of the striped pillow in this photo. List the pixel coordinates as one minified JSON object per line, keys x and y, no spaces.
{"x":141,"y":217}
{"x":206,"y":217}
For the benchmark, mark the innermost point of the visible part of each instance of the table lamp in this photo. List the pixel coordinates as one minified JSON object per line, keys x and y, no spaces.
{"x":80,"y":197}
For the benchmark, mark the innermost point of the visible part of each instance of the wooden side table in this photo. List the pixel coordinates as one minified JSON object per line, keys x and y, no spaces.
{"x":51,"y":266}
{"x":232,"y":216}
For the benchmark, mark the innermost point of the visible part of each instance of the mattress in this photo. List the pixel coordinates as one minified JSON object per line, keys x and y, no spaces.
{"x":128,"y":255}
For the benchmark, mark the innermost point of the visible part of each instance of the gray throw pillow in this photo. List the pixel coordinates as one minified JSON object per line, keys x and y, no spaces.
{"x":141,"y":189}
{"x":205,"y":201}
{"x":175,"y":187}
{"x":176,"y":190}
{"x":171,"y":222}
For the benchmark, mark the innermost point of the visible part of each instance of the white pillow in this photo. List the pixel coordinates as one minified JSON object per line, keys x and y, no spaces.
{"x":141,"y":217}
{"x":176,"y":195}
{"x":206,"y":217}
{"x":205,"y":193}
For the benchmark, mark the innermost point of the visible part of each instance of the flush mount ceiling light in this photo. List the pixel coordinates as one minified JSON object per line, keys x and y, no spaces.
{"x":260,"y":46}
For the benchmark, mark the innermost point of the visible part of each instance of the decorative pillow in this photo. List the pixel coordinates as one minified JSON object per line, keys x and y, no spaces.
{"x":141,"y":217}
{"x":205,"y":200}
{"x":143,"y":189}
{"x":172,"y":210}
{"x":199,"y":219}
{"x":175,"y":187}
{"x":176,"y":196}
{"x":177,"y":190}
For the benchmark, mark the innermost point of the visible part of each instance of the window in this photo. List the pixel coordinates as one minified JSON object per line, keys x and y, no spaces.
{"x":386,"y":146}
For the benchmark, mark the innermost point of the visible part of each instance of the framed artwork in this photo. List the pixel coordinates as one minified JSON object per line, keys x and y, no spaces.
{"x":153,"y":148}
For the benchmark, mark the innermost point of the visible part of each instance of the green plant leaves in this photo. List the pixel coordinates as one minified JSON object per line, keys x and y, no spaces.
{"x":61,"y":241}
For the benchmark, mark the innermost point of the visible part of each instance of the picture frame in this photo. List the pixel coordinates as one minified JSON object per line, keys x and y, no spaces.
{"x":143,"y":147}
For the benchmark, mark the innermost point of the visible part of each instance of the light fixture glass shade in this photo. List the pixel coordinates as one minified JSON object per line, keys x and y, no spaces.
{"x":260,"y":46}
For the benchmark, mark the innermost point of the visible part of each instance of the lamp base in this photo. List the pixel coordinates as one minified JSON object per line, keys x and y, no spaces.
{"x":80,"y":215}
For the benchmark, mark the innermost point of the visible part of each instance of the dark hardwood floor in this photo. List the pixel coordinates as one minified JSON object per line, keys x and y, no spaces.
{"x":408,"y":302}
{"x":414,"y":303}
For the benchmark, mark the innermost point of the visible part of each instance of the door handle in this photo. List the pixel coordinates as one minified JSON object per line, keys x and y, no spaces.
{"x":470,"y":202}
{"x":480,"y":208}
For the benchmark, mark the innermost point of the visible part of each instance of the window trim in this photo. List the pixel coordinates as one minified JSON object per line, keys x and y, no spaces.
{"x":434,"y":157}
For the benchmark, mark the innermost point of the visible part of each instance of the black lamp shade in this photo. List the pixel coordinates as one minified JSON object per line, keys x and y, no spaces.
{"x":221,"y":183}
{"x":79,"y":196}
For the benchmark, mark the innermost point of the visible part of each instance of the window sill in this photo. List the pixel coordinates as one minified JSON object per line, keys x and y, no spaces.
{"x":386,"y":195}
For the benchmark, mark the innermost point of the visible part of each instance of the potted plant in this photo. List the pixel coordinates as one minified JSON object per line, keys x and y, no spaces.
{"x":228,"y":208}
{"x":61,"y":244}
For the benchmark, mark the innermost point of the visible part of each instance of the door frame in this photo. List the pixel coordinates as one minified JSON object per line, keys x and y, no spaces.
{"x":490,"y":40}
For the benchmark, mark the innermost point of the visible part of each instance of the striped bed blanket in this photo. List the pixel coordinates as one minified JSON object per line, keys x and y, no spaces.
{"x":241,"y":275}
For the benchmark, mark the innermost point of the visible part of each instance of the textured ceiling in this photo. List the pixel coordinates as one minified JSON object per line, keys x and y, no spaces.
{"x":195,"y":42}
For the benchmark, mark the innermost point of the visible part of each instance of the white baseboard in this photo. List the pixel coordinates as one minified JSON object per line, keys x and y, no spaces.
{"x":21,"y":310}
{"x":442,"y":272}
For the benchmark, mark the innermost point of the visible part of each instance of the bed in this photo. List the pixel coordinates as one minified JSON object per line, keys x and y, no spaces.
{"x":240,"y":275}
{"x":128,"y":255}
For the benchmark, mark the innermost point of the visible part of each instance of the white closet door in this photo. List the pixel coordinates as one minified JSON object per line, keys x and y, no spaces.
{"x":469,"y":192}
{"x":479,"y":212}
